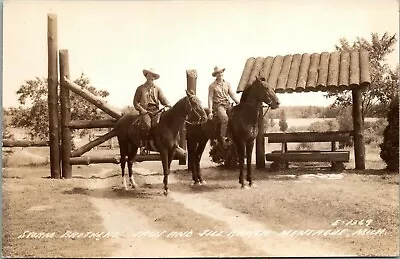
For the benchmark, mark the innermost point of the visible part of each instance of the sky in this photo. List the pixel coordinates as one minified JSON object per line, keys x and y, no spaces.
{"x":113,"y":41}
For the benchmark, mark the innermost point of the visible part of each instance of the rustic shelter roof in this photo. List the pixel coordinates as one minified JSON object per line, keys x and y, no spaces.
{"x":309,"y":72}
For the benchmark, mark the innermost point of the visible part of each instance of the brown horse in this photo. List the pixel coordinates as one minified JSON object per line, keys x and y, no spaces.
{"x":164,"y":135}
{"x":242,"y":127}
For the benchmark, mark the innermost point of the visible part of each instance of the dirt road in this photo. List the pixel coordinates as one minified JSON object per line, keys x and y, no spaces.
{"x":226,"y":227}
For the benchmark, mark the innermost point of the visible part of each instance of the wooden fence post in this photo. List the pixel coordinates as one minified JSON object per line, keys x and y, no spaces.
{"x":191,"y":76}
{"x":260,"y":141}
{"x":66,"y":137}
{"x":52,"y":83}
{"x":358,"y":127}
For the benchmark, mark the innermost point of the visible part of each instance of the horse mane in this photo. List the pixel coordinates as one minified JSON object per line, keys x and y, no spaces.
{"x":245,"y":93}
{"x":176,"y":109}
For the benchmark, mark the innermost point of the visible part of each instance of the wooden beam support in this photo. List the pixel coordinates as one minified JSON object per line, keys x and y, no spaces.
{"x":85,"y":148}
{"x":308,"y":137}
{"x":358,"y":126}
{"x":260,"y":141}
{"x":113,"y":112}
{"x":87,"y":124}
{"x":321,"y":156}
{"x":52,"y":83}
{"x":66,"y":139}
{"x":25,"y":143}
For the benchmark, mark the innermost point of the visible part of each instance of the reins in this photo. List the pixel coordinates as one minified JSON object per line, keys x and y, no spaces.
{"x":265,"y":113}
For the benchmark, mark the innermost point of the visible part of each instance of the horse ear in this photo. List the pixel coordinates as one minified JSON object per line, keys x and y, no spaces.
{"x":257,"y":78}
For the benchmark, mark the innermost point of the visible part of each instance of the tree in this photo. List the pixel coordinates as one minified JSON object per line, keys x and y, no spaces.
{"x":6,"y":132}
{"x":283,"y":126}
{"x":33,"y":110}
{"x":272,"y":122}
{"x":384,"y":80}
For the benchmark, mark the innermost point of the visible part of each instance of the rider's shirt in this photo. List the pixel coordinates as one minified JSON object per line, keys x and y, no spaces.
{"x":220,"y":93}
{"x":147,"y":97}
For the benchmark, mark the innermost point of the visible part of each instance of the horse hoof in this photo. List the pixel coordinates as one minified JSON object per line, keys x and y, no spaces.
{"x":165,"y":192}
{"x":253,"y":185}
{"x":203,"y":182}
{"x":245,"y":187}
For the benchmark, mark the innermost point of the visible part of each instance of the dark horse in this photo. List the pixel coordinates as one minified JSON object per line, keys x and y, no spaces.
{"x":164,"y":134}
{"x":242,"y":127}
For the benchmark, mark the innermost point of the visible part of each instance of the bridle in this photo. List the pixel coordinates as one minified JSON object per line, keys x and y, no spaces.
{"x":193,"y":110}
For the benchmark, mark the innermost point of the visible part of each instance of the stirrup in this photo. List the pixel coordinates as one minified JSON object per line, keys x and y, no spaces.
{"x":144,"y":151}
{"x":226,"y":142}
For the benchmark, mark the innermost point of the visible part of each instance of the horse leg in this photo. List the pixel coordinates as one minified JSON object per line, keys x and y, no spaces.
{"x":131,"y":157}
{"x":249,"y":151}
{"x":164,"y":160}
{"x":123,"y":151}
{"x":240,"y":149}
{"x":200,"y":149}
{"x":191,"y":150}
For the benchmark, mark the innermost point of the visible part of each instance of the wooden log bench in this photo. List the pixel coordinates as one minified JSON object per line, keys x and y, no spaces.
{"x":281,"y":158}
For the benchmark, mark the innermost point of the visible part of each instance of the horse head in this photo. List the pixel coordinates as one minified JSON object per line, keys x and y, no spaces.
{"x":265,"y":93}
{"x":196,"y":111}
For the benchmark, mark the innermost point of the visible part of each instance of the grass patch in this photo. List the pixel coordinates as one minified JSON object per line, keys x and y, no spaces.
{"x":35,"y":204}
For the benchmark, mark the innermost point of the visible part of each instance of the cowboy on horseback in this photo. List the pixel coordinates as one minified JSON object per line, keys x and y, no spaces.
{"x":218,"y":100}
{"x":146,"y":101}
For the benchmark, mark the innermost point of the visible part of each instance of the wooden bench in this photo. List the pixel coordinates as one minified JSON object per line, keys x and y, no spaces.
{"x":282,"y":157}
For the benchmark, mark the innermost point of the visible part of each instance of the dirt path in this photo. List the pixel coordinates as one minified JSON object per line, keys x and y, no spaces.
{"x":118,"y":217}
{"x":253,"y":233}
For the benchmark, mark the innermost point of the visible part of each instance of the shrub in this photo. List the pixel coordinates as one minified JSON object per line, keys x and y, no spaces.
{"x":226,"y":157}
{"x":283,"y":126}
{"x":305,"y":146}
{"x":345,"y":121}
{"x":323,"y":126}
{"x":390,"y":146}
{"x":373,"y":132}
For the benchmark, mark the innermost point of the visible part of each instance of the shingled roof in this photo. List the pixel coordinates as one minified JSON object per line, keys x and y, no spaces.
{"x":309,"y":73}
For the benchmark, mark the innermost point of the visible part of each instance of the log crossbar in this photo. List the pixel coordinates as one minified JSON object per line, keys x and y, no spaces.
{"x":282,"y":157}
{"x":25,"y":143}
{"x":87,"y":160}
{"x":306,"y":156}
{"x":308,"y":137}
{"x":85,"y":148}
{"x":85,"y":124}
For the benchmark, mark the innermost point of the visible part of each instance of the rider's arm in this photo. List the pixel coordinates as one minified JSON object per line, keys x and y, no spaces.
{"x":210,"y":96}
{"x":162,"y":98}
{"x":136,"y":101}
{"x":232,"y":94}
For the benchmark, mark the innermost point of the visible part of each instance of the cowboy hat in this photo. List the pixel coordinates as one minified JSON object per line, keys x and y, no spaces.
{"x":151,"y":71}
{"x":218,"y":70}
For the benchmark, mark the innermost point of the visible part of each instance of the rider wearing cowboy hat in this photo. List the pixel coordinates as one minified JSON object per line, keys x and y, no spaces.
{"x":147,"y":98}
{"x":218,"y":99}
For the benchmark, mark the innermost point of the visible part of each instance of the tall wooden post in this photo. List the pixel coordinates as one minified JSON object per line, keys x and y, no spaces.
{"x":260,"y":141}
{"x":358,"y":127}
{"x":191,"y":76}
{"x":52,"y":82}
{"x":66,"y":145}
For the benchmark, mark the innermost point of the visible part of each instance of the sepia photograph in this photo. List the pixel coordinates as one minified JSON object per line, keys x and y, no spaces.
{"x":200,"y":128}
